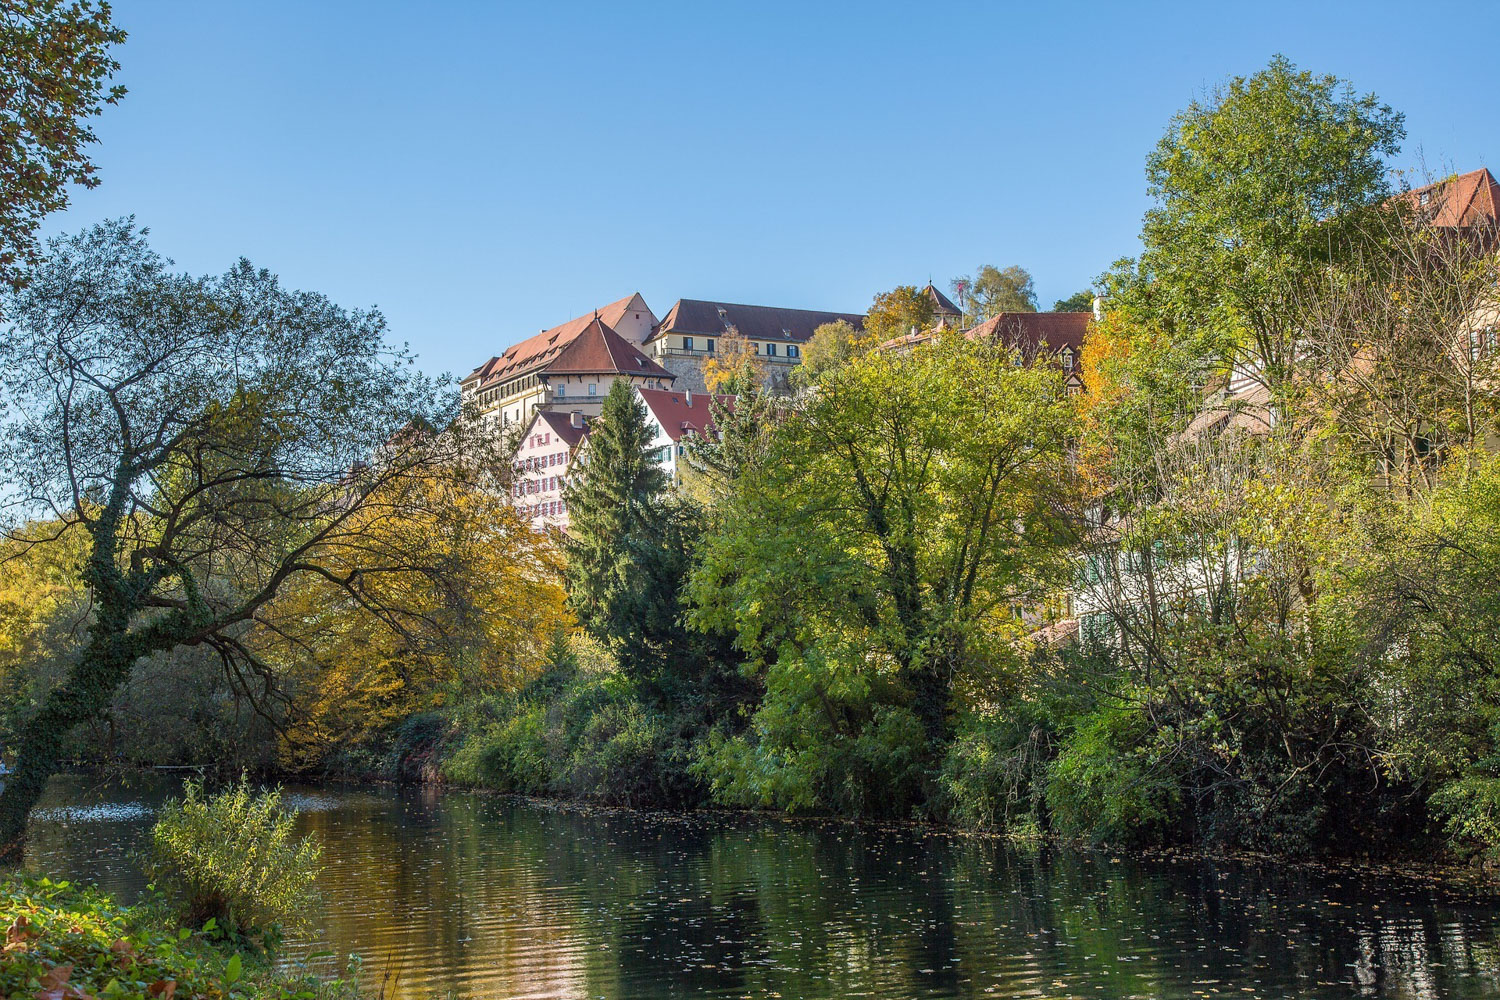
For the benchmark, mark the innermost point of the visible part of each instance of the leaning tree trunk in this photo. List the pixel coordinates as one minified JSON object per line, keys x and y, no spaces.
{"x":103,"y":666}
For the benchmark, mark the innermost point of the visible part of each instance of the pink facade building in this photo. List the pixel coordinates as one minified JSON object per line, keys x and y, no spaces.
{"x":543,"y":460}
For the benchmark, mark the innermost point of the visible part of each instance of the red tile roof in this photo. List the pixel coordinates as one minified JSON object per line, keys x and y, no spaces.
{"x":714,"y":319}
{"x":598,"y":349}
{"x":1471,"y":199}
{"x":532,"y":352}
{"x":1027,"y":332}
{"x":676,"y":415}
{"x":561,"y":424}
{"x":941,"y":304}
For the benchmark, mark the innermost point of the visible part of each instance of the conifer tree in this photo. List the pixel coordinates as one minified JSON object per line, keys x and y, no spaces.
{"x":631,"y":548}
{"x":611,"y":502}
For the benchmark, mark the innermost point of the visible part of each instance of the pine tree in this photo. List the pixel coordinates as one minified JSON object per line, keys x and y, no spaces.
{"x":612,"y":501}
{"x":629,"y":556}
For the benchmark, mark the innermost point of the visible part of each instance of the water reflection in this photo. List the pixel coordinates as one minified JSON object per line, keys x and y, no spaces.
{"x":485,"y":897}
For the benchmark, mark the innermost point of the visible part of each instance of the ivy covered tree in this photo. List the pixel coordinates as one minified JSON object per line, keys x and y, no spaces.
{"x":212,"y":440}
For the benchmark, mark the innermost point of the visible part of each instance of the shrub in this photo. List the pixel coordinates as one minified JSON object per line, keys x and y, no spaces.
{"x":232,"y":857}
{"x":508,"y":756}
{"x":630,"y":755}
{"x":1470,"y":811}
{"x":875,"y":771}
{"x":994,"y":776}
{"x":1107,"y":785}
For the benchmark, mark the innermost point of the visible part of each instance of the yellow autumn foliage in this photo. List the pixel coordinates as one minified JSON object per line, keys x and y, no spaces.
{"x":480,"y":621}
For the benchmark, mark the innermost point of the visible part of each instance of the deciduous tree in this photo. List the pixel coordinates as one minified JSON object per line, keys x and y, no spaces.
{"x":213,"y":440}
{"x":875,"y":556}
{"x":992,"y":291}
{"x":55,"y":66}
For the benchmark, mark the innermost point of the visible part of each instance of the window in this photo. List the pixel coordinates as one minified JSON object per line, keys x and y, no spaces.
{"x":593,"y":388}
{"x":771,"y":350}
{"x":757,"y":348}
{"x":792,"y":350}
{"x":687,"y":343}
{"x":708,"y":345}
{"x":562,"y":390}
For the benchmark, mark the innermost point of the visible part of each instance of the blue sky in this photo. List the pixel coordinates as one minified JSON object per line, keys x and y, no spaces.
{"x":483,"y":170}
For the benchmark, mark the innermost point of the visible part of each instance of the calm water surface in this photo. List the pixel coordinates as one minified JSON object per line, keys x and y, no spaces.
{"x":485,"y":897}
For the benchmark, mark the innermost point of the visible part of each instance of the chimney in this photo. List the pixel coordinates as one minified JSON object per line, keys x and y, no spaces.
{"x":688,"y":396}
{"x":576,"y":418}
{"x":1098,"y":309}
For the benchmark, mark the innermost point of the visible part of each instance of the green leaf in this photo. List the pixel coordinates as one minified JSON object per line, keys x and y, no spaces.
{"x":232,"y":970}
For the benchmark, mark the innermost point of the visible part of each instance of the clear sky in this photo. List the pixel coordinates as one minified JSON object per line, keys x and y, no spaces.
{"x":483,"y":170}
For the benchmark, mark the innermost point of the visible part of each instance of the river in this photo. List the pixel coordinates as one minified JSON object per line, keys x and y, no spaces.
{"x":467,"y":895}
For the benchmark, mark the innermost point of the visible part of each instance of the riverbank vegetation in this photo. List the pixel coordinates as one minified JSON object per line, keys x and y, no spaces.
{"x":1272,"y":512}
{"x":1238,"y":593}
{"x":230,"y":878}
{"x":67,"y":940}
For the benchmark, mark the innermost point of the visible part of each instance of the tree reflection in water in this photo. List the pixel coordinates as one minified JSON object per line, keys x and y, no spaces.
{"x":487,"y":897}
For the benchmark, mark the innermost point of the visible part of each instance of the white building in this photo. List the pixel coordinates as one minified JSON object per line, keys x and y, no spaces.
{"x":568,"y":367}
{"x":676,"y":418}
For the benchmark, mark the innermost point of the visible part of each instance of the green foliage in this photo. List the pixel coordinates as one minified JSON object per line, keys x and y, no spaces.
{"x":992,"y":291}
{"x":586,"y":734}
{"x":630,"y":546}
{"x":512,"y":755}
{"x":995,"y":773}
{"x":1256,"y":189}
{"x":632,"y":755}
{"x":831,"y":345}
{"x":612,"y":501}
{"x":1077,"y":302}
{"x":55,"y":64}
{"x":1470,"y":811}
{"x":895,"y":314}
{"x":795,"y":761}
{"x":232,"y":857}
{"x":1110,"y":783}
{"x":70,"y":940}
{"x":865,"y":561}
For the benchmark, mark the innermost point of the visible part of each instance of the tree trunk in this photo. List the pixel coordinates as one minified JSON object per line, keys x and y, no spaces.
{"x":103,"y":667}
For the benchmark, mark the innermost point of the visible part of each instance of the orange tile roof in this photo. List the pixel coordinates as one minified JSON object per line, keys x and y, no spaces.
{"x":597,"y":348}
{"x":1471,"y":199}
{"x":561,"y":424}
{"x":532,"y":352}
